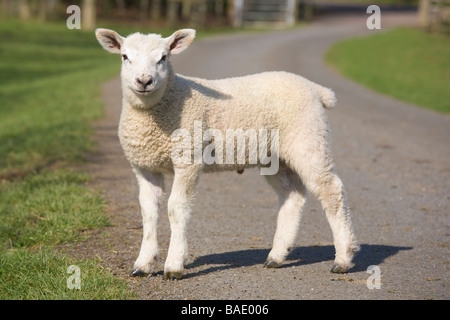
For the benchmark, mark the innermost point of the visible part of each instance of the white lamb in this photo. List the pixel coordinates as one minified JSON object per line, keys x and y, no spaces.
{"x":157,"y":102}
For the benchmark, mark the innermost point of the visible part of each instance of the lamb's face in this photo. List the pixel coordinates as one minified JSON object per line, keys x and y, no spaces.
{"x":145,"y":61}
{"x":145,"y":65}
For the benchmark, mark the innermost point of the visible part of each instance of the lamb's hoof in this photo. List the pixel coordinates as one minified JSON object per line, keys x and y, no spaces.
{"x":172,"y":275}
{"x":338,"y":269}
{"x":138,"y":273}
{"x":271,"y":264}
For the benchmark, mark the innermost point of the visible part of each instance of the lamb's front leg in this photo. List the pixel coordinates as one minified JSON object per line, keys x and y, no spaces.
{"x":179,"y":209}
{"x":150,"y":193}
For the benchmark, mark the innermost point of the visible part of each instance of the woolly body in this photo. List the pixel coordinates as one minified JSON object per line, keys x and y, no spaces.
{"x":271,"y":100}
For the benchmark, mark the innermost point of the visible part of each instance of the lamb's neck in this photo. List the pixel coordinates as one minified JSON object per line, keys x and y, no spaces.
{"x":166,"y":95}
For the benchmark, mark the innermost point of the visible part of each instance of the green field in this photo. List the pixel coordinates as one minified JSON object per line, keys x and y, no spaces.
{"x":49,"y":95}
{"x":408,"y":64}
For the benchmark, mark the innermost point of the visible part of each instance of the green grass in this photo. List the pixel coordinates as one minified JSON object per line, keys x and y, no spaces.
{"x":49,"y":95}
{"x":49,"y":92}
{"x":48,"y":209}
{"x":407,"y":64}
{"x":44,"y":275}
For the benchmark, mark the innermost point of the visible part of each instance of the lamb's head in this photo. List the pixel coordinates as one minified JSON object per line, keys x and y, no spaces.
{"x":146,"y":69}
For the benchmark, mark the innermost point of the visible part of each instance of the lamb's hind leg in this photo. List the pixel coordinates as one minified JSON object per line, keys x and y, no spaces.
{"x":320,"y":179}
{"x":330,"y":191}
{"x":150,"y":192}
{"x":291,"y":194}
{"x":311,"y":159}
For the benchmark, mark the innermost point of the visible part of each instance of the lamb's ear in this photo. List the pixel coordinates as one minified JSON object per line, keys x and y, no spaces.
{"x":109,"y":39}
{"x":180,"y":40}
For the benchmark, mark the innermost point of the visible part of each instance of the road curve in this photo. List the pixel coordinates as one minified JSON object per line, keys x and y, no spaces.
{"x":393,"y":158}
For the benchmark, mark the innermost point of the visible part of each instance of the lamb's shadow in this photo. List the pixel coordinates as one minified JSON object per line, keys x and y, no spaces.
{"x":369,"y":254}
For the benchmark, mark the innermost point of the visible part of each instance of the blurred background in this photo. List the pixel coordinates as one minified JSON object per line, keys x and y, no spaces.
{"x":210,"y":13}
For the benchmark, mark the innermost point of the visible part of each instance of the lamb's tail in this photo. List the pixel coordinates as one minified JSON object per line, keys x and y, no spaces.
{"x":328,"y":97}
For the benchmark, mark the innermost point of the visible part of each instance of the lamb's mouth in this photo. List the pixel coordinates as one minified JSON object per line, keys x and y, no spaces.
{"x":143,"y":92}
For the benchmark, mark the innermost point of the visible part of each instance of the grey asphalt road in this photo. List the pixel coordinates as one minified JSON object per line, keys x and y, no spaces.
{"x":394,"y":160}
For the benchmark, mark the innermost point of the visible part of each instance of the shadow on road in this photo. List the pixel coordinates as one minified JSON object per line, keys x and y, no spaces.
{"x":370,"y":254}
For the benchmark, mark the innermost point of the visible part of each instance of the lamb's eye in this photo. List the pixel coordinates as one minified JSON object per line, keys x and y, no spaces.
{"x":163,"y":58}
{"x":124,"y":57}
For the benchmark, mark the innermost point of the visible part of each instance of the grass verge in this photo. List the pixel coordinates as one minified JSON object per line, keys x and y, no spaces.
{"x":49,"y":94}
{"x":408,"y":64}
{"x":44,"y":275}
{"x":49,"y":208}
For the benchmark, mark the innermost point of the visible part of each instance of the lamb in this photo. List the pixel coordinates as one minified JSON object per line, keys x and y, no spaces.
{"x":157,"y":103}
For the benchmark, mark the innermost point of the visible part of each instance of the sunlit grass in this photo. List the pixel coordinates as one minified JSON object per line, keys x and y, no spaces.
{"x":408,"y":64}
{"x":43,"y":275}
{"x":48,"y":209}
{"x":49,"y":95}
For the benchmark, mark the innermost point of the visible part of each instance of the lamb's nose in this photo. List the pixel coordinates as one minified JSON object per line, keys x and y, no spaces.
{"x":145,"y":81}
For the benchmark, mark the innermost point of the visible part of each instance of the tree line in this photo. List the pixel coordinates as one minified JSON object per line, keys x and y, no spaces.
{"x":167,"y":12}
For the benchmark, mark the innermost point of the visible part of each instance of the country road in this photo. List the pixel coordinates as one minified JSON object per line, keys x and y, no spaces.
{"x":393,"y":158}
